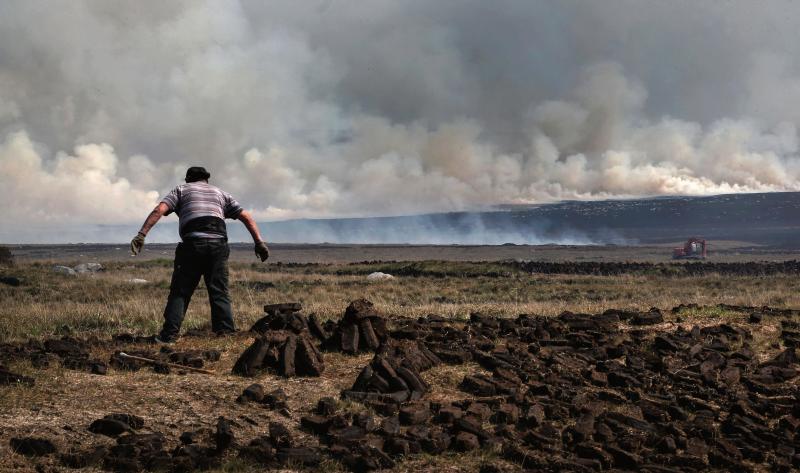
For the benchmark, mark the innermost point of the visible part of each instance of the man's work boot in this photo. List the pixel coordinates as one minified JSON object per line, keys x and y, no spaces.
{"x":164,"y":341}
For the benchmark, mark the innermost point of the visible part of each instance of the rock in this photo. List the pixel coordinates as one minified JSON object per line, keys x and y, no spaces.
{"x":379,"y":276}
{"x":65,"y":270}
{"x":138,"y":281}
{"x":32,"y":446}
{"x":84,"y":268}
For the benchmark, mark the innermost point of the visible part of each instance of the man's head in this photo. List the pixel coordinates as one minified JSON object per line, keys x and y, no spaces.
{"x":197,"y":173}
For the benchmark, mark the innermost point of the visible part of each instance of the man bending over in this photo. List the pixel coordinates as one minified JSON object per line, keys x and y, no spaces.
{"x":204,"y":250}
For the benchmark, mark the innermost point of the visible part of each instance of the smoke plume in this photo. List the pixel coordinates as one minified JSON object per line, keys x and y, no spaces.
{"x":324,"y":108}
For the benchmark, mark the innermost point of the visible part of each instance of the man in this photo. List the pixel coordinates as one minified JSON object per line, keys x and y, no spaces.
{"x":204,"y":250}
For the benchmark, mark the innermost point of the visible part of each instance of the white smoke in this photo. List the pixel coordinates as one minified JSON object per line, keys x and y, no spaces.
{"x":320,"y":109}
{"x":86,"y":185}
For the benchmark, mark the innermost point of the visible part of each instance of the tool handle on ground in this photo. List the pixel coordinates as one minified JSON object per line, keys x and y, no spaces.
{"x":172,"y":365}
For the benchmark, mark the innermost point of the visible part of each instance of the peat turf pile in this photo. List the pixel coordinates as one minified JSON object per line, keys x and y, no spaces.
{"x":137,"y":450}
{"x":71,"y":353}
{"x":361,"y":329}
{"x":288,"y":316}
{"x":286,"y":339}
{"x":76,"y":354}
{"x":284,"y":344}
{"x":619,"y":390}
{"x":609,"y":268}
{"x":281,"y":352}
{"x":393,"y":375}
{"x":581,"y":392}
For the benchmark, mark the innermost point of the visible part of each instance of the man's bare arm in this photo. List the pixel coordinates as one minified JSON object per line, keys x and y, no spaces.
{"x":158,"y":212}
{"x":250,"y":223}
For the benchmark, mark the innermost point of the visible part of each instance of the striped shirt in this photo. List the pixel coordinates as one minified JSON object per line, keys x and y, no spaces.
{"x":201,"y":199}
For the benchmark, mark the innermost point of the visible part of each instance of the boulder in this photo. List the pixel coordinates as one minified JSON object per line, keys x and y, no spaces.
{"x":65,"y":270}
{"x":379,"y":276}
{"x":84,"y":268}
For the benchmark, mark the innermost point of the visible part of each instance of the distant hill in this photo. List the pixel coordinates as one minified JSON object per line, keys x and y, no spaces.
{"x":765,"y":218}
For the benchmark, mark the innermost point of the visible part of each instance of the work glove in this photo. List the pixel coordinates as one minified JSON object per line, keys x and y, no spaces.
{"x":137,"y":243}
{"x":262,"y":251}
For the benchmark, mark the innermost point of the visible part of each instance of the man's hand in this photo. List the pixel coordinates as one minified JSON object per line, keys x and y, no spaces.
{"x":262,"y":251}
{"x":137,"y":244}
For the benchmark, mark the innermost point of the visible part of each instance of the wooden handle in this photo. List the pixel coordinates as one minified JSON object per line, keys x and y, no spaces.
{"x":156,"y":362}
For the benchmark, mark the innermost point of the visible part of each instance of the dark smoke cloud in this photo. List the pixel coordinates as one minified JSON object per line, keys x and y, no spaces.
{"x":331,"y":108}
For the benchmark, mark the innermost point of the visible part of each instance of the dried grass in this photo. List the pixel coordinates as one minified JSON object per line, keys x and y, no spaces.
{"x":62,"y":403}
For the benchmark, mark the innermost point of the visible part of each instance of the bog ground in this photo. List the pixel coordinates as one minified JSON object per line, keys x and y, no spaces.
{"x":469,"y":382}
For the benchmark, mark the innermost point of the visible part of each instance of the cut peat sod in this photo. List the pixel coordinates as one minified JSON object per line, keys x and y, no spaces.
{"x":618,"y":390}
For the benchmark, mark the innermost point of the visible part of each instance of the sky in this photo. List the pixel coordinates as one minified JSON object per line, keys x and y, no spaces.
{"x":327,"y":108}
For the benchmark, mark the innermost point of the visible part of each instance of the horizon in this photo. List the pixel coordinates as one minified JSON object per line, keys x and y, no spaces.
{"x":594,"y":223}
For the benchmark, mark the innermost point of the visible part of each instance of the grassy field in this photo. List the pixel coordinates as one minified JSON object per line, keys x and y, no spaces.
{"x":63,"y":402}
{"x":108,"y":302}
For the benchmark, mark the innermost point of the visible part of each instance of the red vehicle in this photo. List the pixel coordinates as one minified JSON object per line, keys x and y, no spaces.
{"x":694,"y":248}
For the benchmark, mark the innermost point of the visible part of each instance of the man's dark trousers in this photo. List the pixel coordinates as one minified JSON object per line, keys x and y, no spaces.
{"x":194,"y":258}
